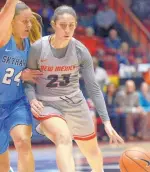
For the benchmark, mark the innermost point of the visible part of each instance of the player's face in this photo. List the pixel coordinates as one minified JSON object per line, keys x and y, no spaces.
{"x":64,"y":26}
{"x":22,"y":23}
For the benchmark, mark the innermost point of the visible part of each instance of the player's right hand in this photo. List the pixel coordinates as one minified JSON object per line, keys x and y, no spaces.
{"x":36,"y":107}
{"x":31,"y":75}
{"x":112,"y":134}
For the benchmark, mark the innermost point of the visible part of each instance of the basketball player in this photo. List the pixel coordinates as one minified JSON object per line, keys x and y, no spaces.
{"x":15,"y":115}
{"x":57,"y":102}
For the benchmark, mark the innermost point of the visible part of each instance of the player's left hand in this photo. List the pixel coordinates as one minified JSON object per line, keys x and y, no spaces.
{"x":113,"y":135}
{"x":36,"y":107}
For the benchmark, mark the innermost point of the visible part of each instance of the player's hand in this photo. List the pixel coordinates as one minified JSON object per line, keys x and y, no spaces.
{"x":36,"y":107}
{"x":31,"y":75}
{"x":113,"y":135}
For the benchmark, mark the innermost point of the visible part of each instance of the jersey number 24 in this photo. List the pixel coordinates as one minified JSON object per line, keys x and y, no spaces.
{"x":8,"y":76}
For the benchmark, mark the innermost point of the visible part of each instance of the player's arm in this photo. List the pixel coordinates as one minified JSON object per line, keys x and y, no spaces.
{"x":96,"y":95}
{"x":32,"y":73}
{"x":6,"y":17}
{"x":32,"y":65}
{"x":94,"y":91}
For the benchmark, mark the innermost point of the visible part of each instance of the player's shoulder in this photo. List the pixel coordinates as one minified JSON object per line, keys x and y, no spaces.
{"x":39,"y":41}
{"x":80,"y":47}
{"x":79,"y":44}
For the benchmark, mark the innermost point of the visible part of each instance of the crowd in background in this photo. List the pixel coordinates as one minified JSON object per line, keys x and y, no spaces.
{"x":128,"y":105}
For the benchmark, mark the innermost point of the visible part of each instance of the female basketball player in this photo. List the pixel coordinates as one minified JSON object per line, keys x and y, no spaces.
{"x":15,"y":115}
{"x":57,"y":101}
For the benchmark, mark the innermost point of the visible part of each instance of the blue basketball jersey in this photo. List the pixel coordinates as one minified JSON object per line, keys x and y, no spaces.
{"x":12,"y":63}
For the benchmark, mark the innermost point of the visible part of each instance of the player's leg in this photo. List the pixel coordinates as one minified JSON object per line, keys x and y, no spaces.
{"x":4,"y":143}
{"x":21,"y":135}
{"x":19,"y":125}
{"x":91,"y":151}
{"x":81,"y":125}
{"x":57,"y":130}
{"x":4,"y":162}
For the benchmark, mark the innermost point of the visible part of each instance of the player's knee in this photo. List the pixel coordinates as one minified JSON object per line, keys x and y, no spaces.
{"x":23,"y":144}
{"x":4,"y":168}
{"x":93,"y":151}
{"x":63,"y":138}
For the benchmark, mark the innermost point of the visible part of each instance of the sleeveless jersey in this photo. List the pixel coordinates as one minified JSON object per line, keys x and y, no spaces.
{"x":12,"y":62}
{"x":60,"y":75}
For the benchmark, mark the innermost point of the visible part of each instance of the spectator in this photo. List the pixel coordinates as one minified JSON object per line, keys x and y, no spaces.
{"x":89,"y":39}
{"x":80,"y":7}
{"x":128,"y":103}
{"x":89,"y":32}
{"x":87,"y":20}
{"x":55,"y":3}
{"x":141,"y":8}
{"x":146,"y":76}
{"x":100,"y":74}
{"x":144,"y":97}
{"x":46,"y":13}
{"x":123,"y":53}
{"x":113,"y":42}
{"x":105,"y":20}
{"x":126,"y":70}
{"x":92,"y":5}
{"x":139,"y":55}
{"x":111,"y":106}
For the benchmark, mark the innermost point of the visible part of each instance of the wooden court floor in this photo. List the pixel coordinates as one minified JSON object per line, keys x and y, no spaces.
{"x":45,"y":157}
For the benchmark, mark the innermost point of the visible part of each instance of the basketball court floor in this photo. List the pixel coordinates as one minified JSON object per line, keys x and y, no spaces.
{"x":45,"y":157}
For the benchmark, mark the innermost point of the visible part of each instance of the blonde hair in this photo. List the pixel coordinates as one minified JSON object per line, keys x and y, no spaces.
{"x":36,"y":30}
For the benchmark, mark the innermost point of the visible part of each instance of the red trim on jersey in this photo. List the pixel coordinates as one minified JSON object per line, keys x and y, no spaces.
{"x":85,"y":138}
{"x":48,"y":116}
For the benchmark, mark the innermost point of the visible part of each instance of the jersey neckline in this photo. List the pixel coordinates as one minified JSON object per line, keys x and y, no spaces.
{"x":67,"y":51}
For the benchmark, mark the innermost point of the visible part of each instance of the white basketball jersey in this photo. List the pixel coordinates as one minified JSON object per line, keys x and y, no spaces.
{"x":60,"y":75}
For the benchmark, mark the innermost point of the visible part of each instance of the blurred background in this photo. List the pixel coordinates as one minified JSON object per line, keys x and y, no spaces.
{"x":117,"y":34}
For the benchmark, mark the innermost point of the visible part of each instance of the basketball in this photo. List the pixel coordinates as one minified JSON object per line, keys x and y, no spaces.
{"x":135,"y":160}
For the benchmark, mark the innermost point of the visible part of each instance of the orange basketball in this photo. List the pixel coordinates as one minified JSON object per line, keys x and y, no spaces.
{"x":135,"y":160}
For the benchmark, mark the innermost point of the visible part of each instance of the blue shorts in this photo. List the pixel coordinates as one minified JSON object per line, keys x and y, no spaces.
{"x":11,"y":115}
